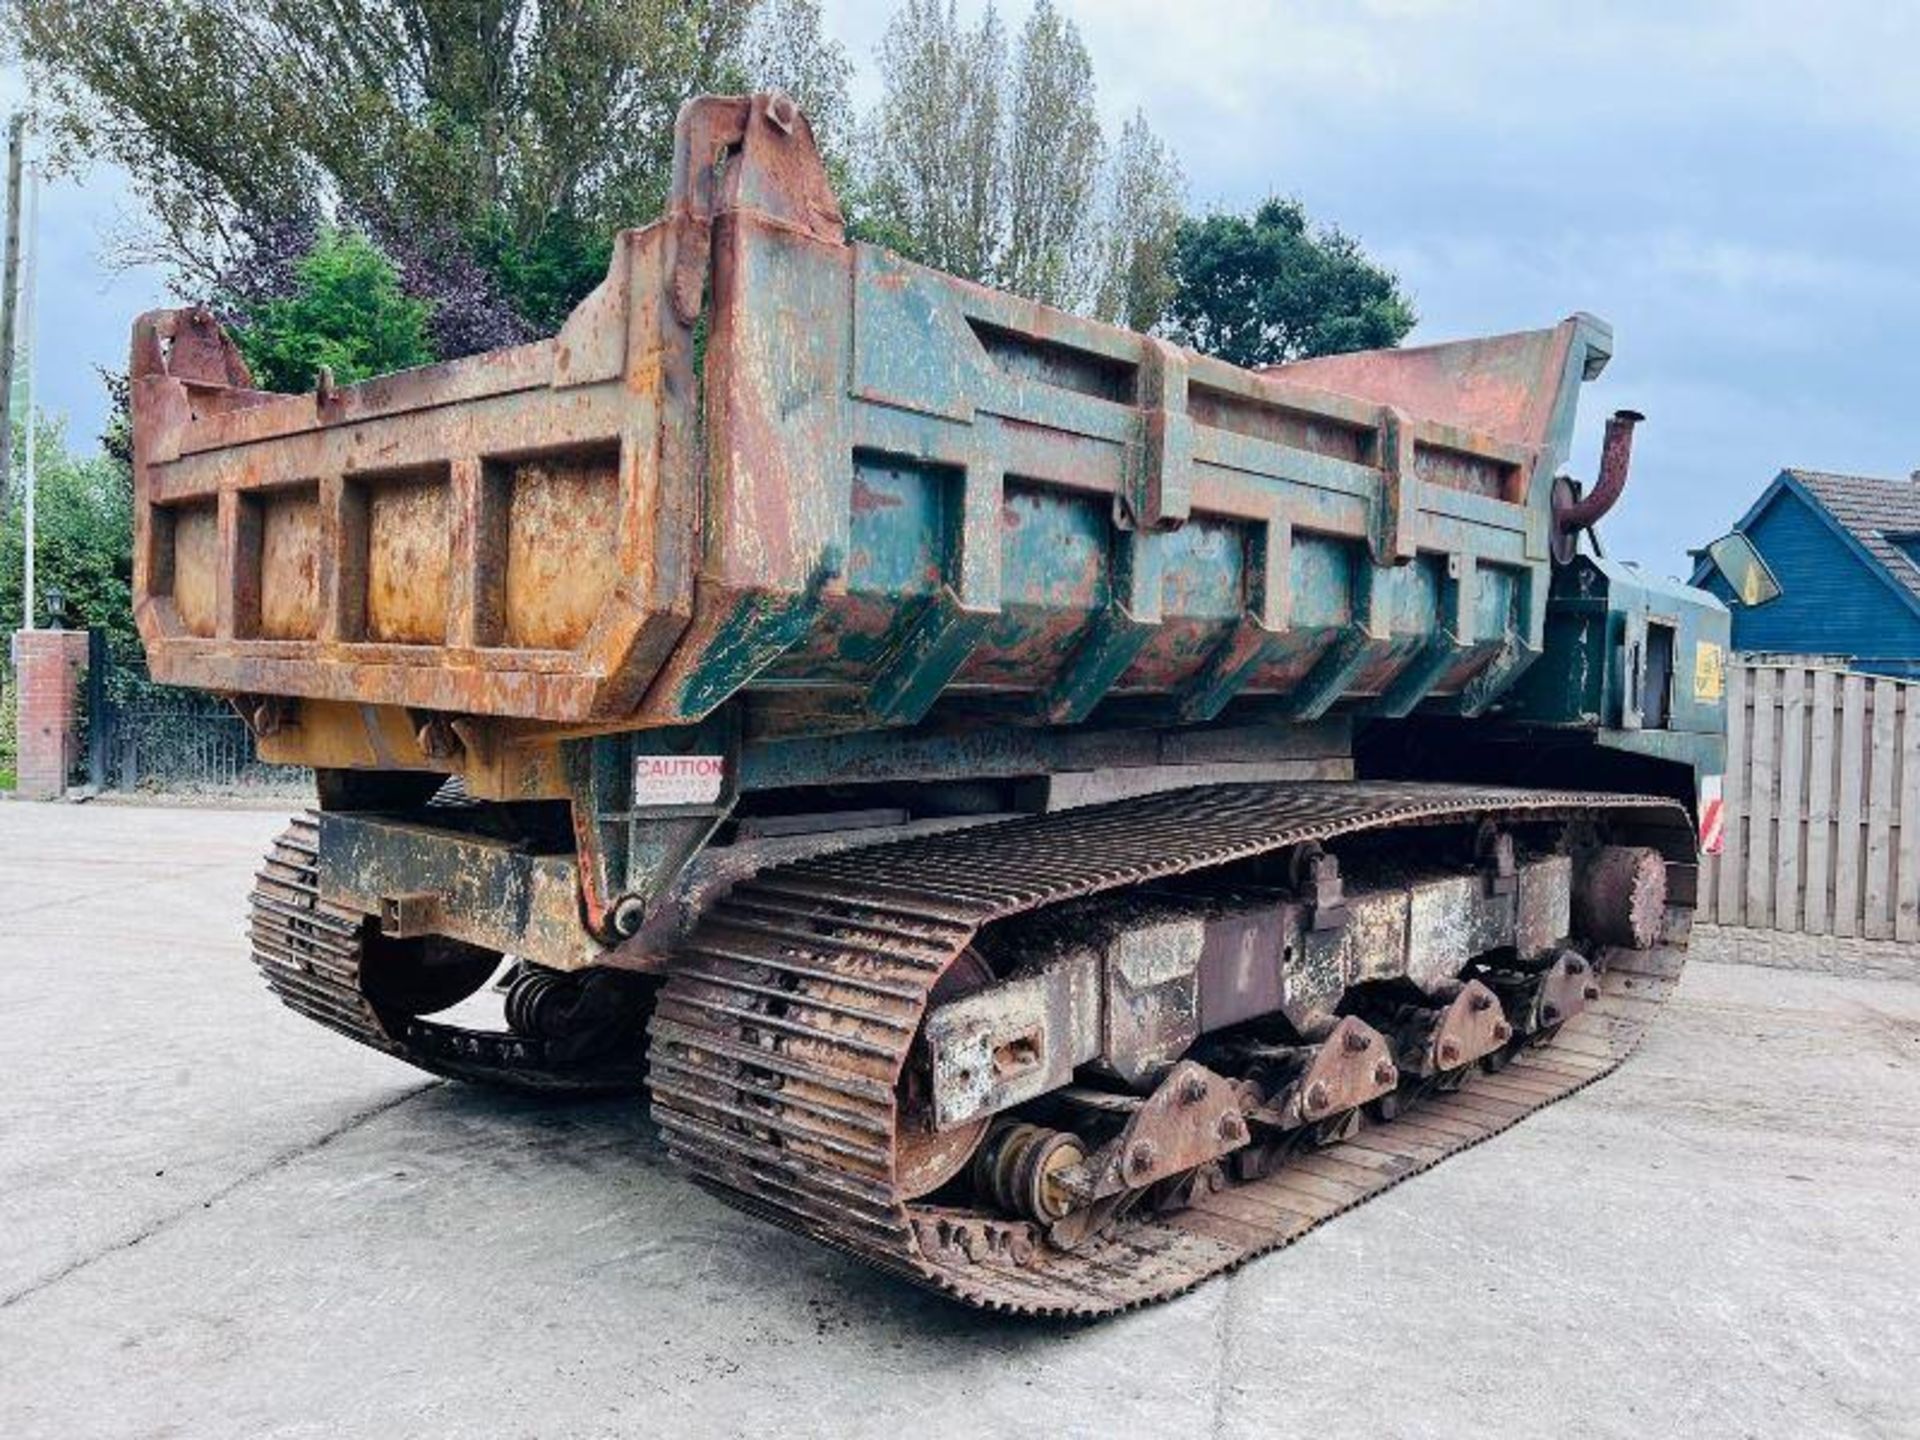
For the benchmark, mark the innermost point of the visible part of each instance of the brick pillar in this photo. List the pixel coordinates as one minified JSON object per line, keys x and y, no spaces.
{"x":48,"y":666}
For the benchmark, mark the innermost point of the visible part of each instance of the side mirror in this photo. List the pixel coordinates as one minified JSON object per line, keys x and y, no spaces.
{"x":1736,"y":559}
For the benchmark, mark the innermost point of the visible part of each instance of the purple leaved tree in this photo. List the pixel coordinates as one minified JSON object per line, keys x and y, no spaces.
{"x":468,"y":313}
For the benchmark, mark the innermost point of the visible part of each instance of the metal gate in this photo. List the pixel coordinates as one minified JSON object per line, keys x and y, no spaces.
{"x":143,"y":735}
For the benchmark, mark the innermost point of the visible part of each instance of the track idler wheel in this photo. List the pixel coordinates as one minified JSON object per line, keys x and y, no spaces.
{"x":925,"y":1158}
{"x":421,"y":975}
{"x":1021,"y":1168}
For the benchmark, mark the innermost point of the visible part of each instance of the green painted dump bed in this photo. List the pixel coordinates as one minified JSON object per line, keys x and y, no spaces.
{"x":761,"y":458}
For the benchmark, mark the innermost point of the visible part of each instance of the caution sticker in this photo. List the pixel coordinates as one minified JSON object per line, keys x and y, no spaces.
{"x":1709,"y":671}
{"x":678,"y":779}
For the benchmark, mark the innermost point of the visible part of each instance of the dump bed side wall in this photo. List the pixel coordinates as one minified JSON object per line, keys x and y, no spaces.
{"x":920,"y":486}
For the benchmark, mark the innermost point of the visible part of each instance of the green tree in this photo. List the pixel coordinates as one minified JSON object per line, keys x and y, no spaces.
{"x":83,"y":524}
{"x":346,"y":312}
{"x":993,"y":166}
{"x":1145,"y":196}
{"x":526,"y":130}
{"x":1269,"y":287}
{"x":472,"y":111}
{"x":936,"y":177}
{"x":1053,"y":159}
{"x":983,"y":166}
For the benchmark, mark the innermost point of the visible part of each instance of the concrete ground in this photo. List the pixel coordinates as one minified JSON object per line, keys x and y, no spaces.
{"x":217,"y":1220}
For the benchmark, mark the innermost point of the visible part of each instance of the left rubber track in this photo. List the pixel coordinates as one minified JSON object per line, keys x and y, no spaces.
{"x":312,"y":954}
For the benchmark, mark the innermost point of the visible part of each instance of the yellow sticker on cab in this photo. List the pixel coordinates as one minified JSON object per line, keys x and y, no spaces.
{"x":1709,"y":671}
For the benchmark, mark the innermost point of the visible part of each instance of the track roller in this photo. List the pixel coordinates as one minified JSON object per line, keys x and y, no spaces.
{"x":1300,"y":1085}
{"x":540,"y":1002}
{"x":1538,"y":999}
{"x":1436,"y":1040}
{"x":1620,"y":895}
{"x":1192,"y":1118}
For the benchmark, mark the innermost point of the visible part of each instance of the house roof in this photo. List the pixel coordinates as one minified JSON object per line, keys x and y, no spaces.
{"x":1868,"y":513}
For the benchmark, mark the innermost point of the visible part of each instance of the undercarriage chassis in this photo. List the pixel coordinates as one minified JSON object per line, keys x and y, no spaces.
{"x":985,"y":1054}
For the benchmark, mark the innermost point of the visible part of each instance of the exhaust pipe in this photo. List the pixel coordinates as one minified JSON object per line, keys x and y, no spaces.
{"x":1571,"y":515}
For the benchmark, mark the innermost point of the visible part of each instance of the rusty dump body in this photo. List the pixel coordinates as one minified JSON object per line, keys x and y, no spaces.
{"x":1036,"y":804}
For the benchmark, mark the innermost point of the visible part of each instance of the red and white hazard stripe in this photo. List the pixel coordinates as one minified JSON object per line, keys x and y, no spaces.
{"x":1713,"y":816}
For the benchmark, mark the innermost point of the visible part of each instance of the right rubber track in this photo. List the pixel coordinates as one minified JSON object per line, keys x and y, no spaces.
{"x":776,"y":1046}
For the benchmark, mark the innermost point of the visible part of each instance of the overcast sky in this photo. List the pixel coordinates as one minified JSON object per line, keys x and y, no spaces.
{"x":1732,"y":185}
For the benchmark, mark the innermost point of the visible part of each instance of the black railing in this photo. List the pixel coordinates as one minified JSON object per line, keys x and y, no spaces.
{"x":144,"y":735}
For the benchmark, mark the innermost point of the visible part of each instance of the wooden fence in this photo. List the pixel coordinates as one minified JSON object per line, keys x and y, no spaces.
{"x":1822,"y":803}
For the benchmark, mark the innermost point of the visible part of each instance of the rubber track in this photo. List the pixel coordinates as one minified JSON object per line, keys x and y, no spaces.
{"x":310,"y":954}
{"x":776,"y":1046}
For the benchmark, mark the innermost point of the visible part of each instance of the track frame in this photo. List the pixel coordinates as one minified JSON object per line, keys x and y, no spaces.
{"x":776,"y":1051}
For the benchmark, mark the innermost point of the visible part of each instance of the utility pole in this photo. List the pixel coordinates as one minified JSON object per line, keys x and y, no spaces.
{"x":32,"y":485}
{"x":10,"y":295}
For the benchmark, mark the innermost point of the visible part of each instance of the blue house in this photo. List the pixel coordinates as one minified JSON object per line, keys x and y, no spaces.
{"x":1845,"y":550}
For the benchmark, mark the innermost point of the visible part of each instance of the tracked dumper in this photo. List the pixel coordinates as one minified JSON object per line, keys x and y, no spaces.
{"x":1046,"y":812}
